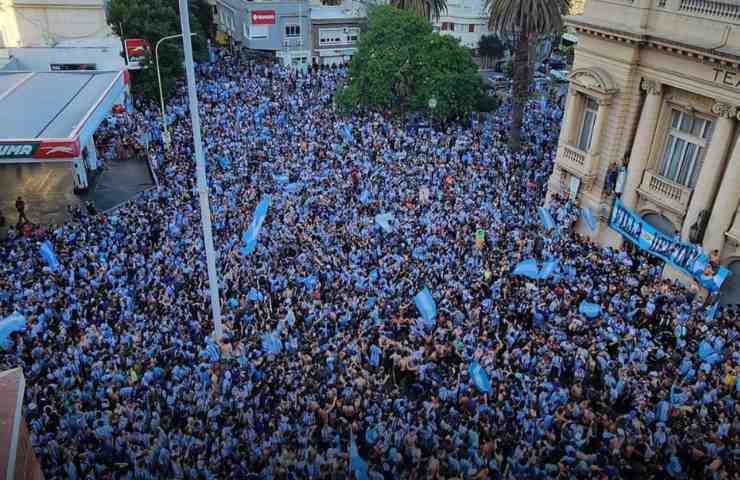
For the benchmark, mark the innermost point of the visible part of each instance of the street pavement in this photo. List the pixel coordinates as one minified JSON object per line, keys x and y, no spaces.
{"x":47,"y":189}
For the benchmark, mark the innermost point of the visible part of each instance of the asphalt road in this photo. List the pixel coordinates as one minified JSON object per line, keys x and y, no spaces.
{"x":47,"y":189}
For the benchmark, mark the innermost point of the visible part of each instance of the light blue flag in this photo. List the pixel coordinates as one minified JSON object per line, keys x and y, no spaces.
{"x":528,"y":268}
{"x":480,"y":378}
{"x":250,"y":236}
{"x":280,"y":179}
{"x":357,"y":464}
{"x":8,"y":325}
{"x":223,"y":161}
{"x":347,"y":134}
{"x":427,"y":307}
{"x":255,"y":296}
{"x":294,"y":187}
{"x":712,"y":312}
{"x":47,"y":253}
{"x":715,"y":282}
{"x":271,"y":343}
{"x":589,"y":310}
{"x":548,"y":269}
{"x":588,"y":217}
{"x":365,"y":197}
{"x":546,"y":218}
{"x":384,"y":220}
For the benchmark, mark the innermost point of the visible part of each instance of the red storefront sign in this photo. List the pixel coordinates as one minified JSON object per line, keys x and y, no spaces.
{"x":40,"y":150}
{"x":263,"y":17}
{"x":136,"y":50}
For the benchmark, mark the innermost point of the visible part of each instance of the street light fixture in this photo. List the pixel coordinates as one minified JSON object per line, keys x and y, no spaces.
{"x":165,"y":132}
{"x":200,"y":173}
{"x":432,"y":105}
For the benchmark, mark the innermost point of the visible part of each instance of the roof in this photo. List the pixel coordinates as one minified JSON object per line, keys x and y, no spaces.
{"x":50,"y":104}
{"x":333,"y":13}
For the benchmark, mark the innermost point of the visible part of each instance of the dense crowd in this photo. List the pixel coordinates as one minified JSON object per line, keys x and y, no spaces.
{"x":125,"y":382}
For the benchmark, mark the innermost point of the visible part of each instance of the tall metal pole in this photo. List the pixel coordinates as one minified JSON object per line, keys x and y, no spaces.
{"x":165,"y":132}
{"x":200,"y":173}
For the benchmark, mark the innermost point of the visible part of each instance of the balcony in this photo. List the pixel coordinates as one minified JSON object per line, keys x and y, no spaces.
{"x":720,"y":10}
{"x":665,"y":193}
{"x":575,"y":161}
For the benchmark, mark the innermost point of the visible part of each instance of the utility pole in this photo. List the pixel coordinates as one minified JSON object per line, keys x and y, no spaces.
{"x":200,"y":173}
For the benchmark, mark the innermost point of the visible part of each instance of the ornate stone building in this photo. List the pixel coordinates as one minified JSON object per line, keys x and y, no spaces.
{"x":652,"y":114}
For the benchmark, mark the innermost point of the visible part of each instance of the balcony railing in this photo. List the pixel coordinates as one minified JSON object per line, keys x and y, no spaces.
{"x":575,"y":157}
{"x":666,"y":193}
{"x":721,"y":10}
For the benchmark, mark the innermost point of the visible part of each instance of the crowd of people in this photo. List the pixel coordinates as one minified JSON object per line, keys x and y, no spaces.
{"x":125,"y":382}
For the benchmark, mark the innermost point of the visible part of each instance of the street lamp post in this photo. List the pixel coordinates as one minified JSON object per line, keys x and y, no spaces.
{"x":165,"y":131}
{"x":432,"y":105}
{"x":200,"y":173}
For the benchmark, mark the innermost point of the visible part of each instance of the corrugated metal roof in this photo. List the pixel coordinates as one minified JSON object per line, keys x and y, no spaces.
{"x":48,"y":104}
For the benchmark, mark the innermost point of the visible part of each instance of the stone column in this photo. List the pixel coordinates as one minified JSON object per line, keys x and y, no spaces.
{"x":725,"y":203}
{"x":711,"y":170}
{"x":571,"y":116}
{"x":643,"y":141}
{"x":599,"y":124}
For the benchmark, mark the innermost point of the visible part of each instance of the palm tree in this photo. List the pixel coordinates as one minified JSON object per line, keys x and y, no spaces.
{"x":424,"y":8}
{"x":521,"y":22}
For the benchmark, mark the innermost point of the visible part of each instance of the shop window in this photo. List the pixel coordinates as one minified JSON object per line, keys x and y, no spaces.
{"x":587,"y":125}
{"x":292,"y":30}
{"x":685,"y":145}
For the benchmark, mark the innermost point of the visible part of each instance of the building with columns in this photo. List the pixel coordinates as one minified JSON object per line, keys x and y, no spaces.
{"x":652,"y":117}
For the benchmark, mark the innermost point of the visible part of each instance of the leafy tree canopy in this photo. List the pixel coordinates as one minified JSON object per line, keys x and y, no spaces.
{"x":152,"y":20}
{"x":490,"y":46}
{"x":401,"y":64}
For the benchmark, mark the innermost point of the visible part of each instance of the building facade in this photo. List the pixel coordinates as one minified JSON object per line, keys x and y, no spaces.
{"x":57,"y":35}
{"x":295,"y":32}
{"x":465,"y":20}
{"x":652,"y":118}
{"x":278,"y":28}
{"x":335,"y":32}
{"x":47,"y":23}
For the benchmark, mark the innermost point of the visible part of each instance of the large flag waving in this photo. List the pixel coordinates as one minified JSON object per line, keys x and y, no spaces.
{"x":250,"y":236}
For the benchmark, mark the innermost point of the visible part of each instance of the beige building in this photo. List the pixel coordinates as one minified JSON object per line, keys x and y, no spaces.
{"x":47,"y":23}
{"x":655,"y":87}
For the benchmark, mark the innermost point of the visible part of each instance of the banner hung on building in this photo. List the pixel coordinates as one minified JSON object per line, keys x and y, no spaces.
{"x":685,"y":257}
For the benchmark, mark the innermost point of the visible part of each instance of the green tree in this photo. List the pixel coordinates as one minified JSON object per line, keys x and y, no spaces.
{"x":522,"y":22}
{"x":152,"y":20}
{"x":449,"y":75}
{"x":490,"y":47}
{"x":424,"y":8}
{"x":401,"y":64}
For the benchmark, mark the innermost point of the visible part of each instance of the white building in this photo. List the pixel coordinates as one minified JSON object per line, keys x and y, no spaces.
{"x":465,"y":20}
{"x":335,"y":31}
{"x":57,"y":35}
{"x":47,"y":23}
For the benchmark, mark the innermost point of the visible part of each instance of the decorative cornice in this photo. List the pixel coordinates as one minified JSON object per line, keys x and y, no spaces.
{"x":693,"y":52}
{"x":724,"y":110}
